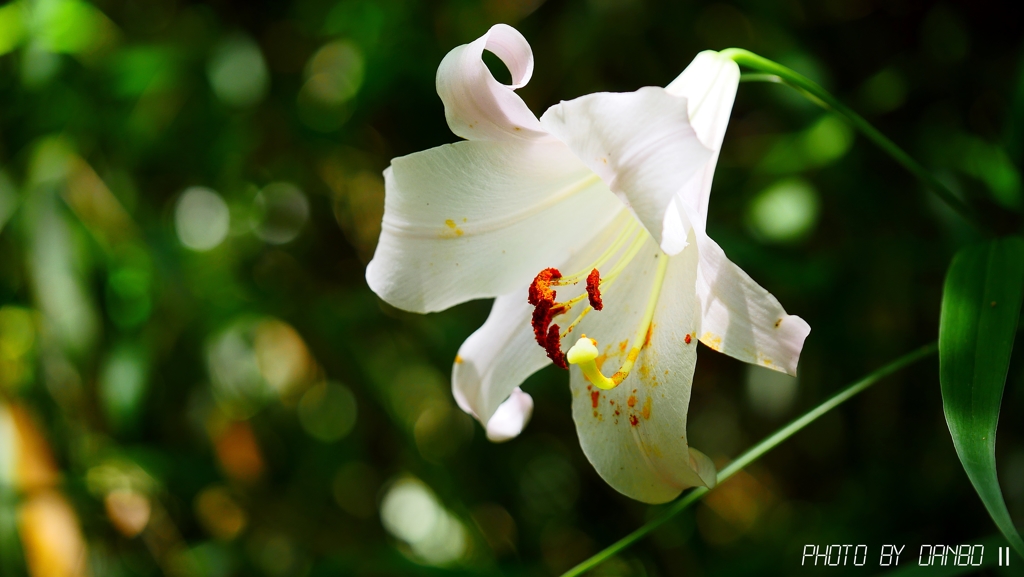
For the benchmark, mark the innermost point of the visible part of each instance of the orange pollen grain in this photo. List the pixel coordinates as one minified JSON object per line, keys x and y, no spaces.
{"x":631,"y":401}
{"x":594,"y":397}
{"x":687,"y":339}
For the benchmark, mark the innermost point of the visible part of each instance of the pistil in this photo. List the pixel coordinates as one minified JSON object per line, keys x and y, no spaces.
{"x":583,"y":354}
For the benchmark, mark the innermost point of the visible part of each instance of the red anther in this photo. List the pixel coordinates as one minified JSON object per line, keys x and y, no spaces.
{"x":543,"y":299}
{"x":553,"y":346}
{"x":540,"y":288}
{"x":542,"y":315}
{"x":594,"y":290}
{"x":540,"y":322}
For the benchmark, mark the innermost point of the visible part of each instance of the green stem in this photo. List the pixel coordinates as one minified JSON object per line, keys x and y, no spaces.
{"x":752,"y":455}
{"x":757,"y":77}
{"x":821,"y":97}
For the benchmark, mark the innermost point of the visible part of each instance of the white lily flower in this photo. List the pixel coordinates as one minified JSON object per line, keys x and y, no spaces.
{"x":608,"y":192}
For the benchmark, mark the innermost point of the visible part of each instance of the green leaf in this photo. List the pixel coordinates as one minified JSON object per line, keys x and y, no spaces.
{"x":980,"y":306}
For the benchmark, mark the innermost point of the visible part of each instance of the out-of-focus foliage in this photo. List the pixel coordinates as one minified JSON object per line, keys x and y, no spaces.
{"x":195,"y":379}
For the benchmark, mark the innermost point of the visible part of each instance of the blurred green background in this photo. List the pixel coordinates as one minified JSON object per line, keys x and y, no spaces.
{"x":196,"y":381}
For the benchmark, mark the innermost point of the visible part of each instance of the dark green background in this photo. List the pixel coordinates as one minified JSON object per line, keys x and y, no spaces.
{"x":124,"y":92}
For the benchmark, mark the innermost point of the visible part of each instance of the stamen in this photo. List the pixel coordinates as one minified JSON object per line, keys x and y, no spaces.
{"x":634,"y":248}
{"x":553,"y":346}
{"x":584,"y":351}
{"x":575,"y":322}
{"x":594,"y":290}
{"x":593,"y":294}
{"x":620,"y":265}
{"x":542,"y":295}
{"x":623,"y":235}
{"x":540,"y":288}
{"x":543,"y":299}
{"x":543,"y":314}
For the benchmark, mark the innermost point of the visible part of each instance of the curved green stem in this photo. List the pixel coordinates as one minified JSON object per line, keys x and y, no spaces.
{"x":758,"y":77}
{"x":821,"y":97}
{"x":752,"y":455}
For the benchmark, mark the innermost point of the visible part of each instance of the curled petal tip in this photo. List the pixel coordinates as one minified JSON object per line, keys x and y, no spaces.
{"x":704,"y":468}
{"x":511,"y":417}
{"x":477,"y":106}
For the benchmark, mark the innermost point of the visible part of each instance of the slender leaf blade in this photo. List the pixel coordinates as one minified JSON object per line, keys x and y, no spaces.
{"x":980,"y":306}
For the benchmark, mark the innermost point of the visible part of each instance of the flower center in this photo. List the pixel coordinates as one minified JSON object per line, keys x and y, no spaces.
{"x":549,"y":335}
{"x":584,"y":352}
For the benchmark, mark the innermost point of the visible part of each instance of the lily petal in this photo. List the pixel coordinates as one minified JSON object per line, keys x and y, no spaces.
{"x":635,"y":434}
{"x":511,"y":417}
{"x":741,"y":319}
{"x":481,"y":219}
{"x":709,"y":84}
{"x":477,"y":106}
{"x":640,"y":143}
{"x":494,"y":361}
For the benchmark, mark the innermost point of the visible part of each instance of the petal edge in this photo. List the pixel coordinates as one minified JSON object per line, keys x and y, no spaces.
{"x":743,"y":320}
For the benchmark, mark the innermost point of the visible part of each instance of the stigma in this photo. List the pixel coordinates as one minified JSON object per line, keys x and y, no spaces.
{"x":584,"y":354}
